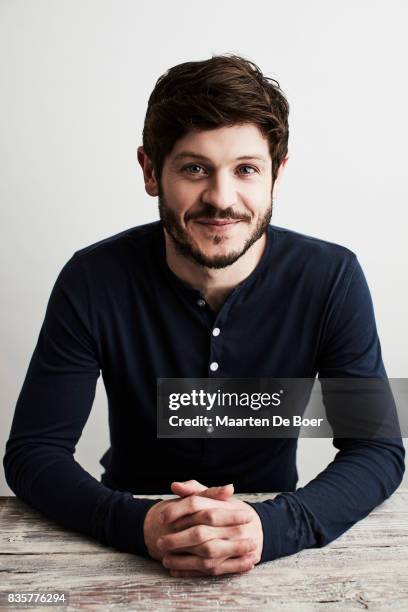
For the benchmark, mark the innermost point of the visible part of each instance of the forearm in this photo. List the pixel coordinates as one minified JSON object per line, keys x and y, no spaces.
{"x":51,"y":481}
{"x":363,"y":474}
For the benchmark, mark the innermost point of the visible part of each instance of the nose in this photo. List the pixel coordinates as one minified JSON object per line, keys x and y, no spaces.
{"x":220,"y":191}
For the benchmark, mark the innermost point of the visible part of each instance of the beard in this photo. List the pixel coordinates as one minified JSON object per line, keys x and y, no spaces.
{"x":185,"y":246}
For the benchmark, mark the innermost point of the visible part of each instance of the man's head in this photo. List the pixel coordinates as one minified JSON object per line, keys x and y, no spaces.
{"x":214,"y":143}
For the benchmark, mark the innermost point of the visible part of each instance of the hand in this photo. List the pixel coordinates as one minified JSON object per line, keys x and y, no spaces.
{"x":226,"y":538}
{"x":153,"y":528}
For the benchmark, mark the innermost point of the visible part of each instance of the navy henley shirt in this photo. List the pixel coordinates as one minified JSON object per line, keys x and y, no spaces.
{"x":117,"y":308}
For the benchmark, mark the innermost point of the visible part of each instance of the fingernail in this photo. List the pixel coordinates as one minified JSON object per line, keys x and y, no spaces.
{"x":161,"y":517}
{"x":160,"y":543}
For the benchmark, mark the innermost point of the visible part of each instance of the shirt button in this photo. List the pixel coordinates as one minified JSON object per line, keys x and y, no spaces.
{"x":214,"y":366}
{"x":201,"y":302}
{"x":216,"y":331}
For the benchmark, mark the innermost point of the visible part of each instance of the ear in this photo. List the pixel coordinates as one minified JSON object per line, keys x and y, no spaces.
{"x":150,"y":181}
{"x":279,"y":175}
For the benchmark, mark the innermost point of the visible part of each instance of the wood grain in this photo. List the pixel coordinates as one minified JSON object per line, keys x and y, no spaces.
{"x":365,"y":569}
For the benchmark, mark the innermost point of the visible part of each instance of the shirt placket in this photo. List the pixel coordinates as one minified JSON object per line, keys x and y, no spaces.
{"x":216,"y":324}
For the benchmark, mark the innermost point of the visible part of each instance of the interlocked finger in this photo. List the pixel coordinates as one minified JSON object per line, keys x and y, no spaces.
{"x":212,"y":567}
{"x":221,"y":549}
{"x":198,"y":534}
{"x":216,"y":517}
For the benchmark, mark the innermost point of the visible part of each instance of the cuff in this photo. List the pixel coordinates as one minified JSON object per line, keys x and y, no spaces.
{"x":124,"y":522}
{"x":279,"y":527}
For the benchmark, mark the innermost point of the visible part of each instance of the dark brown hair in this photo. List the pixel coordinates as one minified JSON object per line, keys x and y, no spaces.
{"x":221,"y":91}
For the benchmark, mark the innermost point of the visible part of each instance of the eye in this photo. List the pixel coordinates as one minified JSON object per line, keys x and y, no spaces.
{"x":254,"y":170}
{"x":192,"y":169}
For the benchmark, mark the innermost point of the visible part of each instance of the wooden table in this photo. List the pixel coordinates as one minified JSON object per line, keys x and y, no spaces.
{"x":366,"y":568}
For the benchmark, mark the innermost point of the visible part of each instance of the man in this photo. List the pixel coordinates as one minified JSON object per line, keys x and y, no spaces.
{"x":211,"y":290}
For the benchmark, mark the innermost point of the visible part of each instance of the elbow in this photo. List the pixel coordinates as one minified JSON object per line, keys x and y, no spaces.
{"x":10,"y":466}
{"x":20,"y":465}
{"x":401,"y":467}
{"x":395,"y":478}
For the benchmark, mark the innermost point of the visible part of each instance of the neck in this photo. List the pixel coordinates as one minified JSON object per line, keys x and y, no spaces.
{"x":214,"y":284}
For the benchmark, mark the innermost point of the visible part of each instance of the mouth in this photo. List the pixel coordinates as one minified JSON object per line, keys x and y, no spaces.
{"x":219,"y":226}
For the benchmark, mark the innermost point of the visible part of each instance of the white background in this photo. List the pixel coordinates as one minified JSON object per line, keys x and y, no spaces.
{"x":75,"y":79}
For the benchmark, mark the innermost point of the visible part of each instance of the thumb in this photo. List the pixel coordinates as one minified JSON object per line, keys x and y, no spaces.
{"x":189,"y":487}
{"x":223,"y":492}
{"x":193,"y":487}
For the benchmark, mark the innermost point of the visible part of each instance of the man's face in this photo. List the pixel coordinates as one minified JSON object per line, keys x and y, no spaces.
{"x":215,"y":199}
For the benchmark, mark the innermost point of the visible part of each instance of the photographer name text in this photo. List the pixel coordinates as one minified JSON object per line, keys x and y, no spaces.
{"x":226,"y":421}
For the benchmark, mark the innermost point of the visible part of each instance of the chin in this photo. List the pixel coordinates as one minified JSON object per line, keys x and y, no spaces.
{"x":224,"y":248}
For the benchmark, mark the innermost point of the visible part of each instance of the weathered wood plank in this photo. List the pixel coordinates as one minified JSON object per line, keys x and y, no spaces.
{"x":25,"y":531}
{"x":376,"y":575}
{"x":366,"y":568}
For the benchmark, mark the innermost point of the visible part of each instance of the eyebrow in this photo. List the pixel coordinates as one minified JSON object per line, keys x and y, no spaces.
{"x":193,"y":155}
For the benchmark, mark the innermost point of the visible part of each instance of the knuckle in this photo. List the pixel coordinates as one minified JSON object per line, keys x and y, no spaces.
{"x":251,"y":544}
{"x":199,"y":532}
{"x":246,"y":565}
{"x":208,"y":516}
{"x":179,"y":524}
{"x":194,"y":503}
{"x":208,"y":564}
{"x":207,"y":548}
{"x":164,"y":543}
{"x":245,"y":546}
{"x":169,"y":545}
{"x":238,"y":516}
{"x":239,"y":530}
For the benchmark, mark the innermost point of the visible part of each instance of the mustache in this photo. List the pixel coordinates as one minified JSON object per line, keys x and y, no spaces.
{"x":221,"y":215}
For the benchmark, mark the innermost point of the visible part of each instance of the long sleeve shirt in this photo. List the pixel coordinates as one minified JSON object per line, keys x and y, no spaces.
{"x":118,"y":309}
